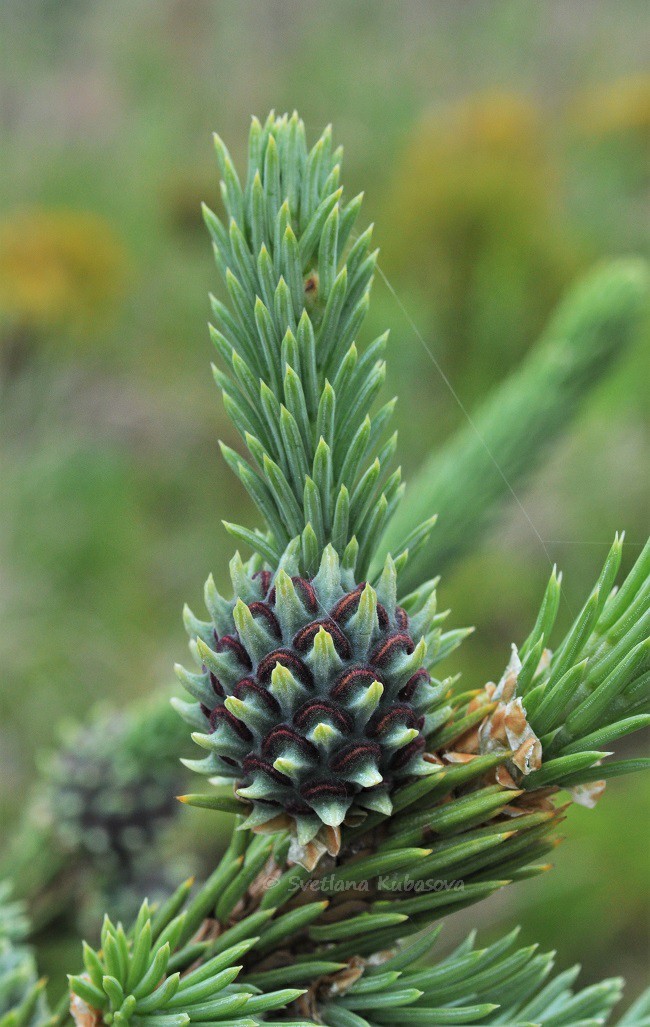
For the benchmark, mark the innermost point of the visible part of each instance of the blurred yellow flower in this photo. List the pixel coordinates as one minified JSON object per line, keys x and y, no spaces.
{"x":492,"y":120}
{"x":59,"y":269}
{"x":621,"y":107}
{"x":477,"y":197}
{"x":471,"y":167}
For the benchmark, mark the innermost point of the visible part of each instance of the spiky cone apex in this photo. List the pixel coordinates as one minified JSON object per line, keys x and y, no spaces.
{"x":312,"y":693}
{"x":296,"y":377}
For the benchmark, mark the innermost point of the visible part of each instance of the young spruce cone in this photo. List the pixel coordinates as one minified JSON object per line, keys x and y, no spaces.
{"x":313,"y":696}
{"x":106,"y":798}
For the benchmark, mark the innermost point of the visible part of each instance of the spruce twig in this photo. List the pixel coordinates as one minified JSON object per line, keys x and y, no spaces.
{"x":378,"y":797}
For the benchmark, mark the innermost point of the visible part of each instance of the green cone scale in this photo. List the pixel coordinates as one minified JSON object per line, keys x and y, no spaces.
{"x":314,"y":693}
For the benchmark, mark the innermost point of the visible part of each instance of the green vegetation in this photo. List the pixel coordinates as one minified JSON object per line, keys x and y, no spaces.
{"x":112,"y":495}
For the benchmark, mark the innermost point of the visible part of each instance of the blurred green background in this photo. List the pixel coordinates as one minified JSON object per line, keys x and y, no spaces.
{"x":503,"y":147}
